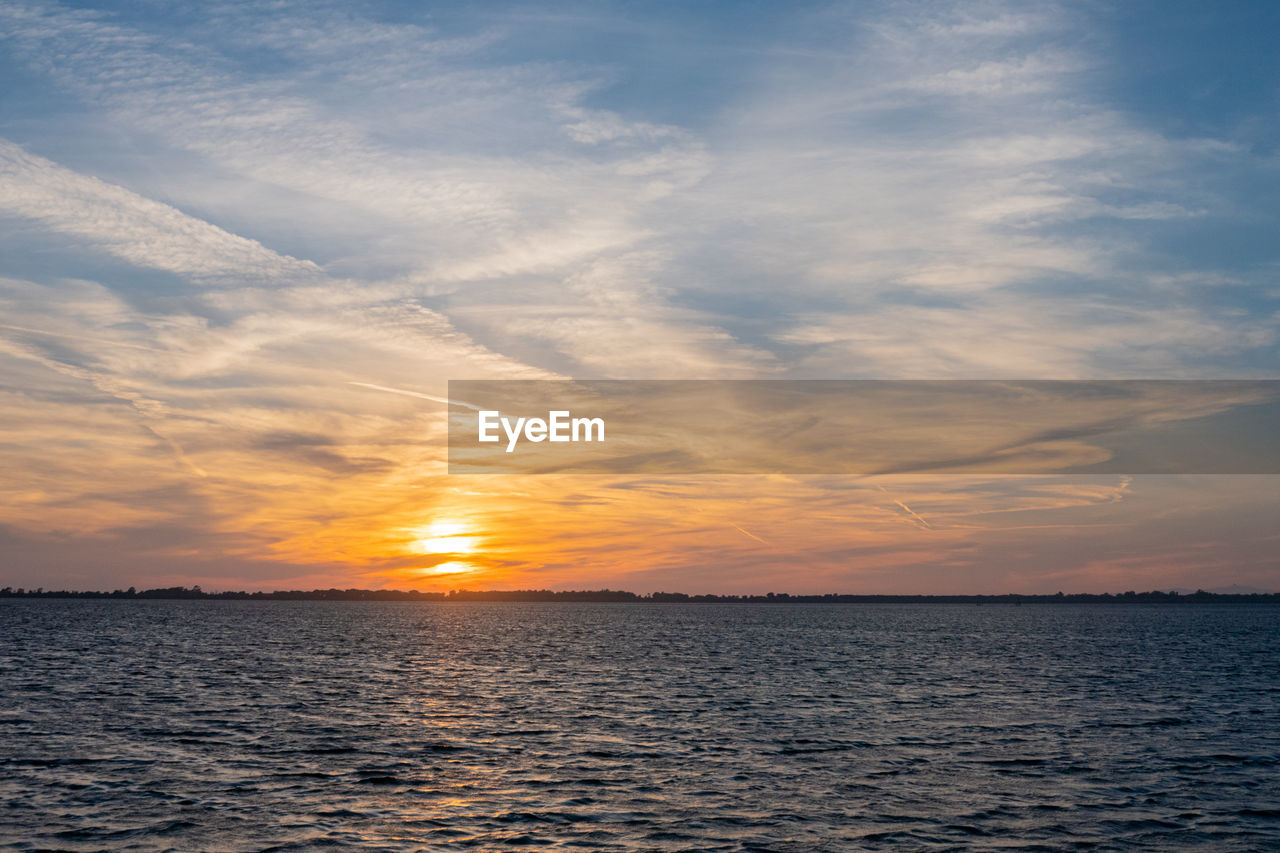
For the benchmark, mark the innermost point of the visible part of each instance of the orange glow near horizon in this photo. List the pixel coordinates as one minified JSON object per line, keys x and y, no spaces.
{"x":276,"y":521}
{"x":445,"y":537}
{"x":798,"y":534}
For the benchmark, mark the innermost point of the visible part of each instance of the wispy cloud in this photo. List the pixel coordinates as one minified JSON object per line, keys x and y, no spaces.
{"x":227,"y":225}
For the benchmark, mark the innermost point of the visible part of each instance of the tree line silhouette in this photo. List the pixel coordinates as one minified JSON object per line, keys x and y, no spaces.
{"x":611,"y":595}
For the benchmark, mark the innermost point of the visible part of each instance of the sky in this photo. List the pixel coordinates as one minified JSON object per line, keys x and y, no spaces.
{"x":244,"y":247}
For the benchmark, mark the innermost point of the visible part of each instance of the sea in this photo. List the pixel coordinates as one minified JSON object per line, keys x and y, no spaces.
{"x":295,"y":725}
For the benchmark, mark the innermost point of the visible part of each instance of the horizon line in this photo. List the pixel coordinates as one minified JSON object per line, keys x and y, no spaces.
{"x":660,"y":597}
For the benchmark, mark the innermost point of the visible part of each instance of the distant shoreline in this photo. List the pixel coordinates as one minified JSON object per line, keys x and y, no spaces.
{"x":621,"y":596}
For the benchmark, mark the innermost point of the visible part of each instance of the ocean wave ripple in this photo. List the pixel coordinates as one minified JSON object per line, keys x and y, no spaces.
{"x":256,"y":726}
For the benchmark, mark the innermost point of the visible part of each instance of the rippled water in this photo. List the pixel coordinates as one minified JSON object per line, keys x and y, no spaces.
{"x":155,"y":725}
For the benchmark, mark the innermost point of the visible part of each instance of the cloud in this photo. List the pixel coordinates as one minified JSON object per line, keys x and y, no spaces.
{"x":231,"y":398}
{"x":230,"y":225}
{"x":136,"y":229}
{"x":1008,"y":223}
{"x":447,"y":214}
{"x":952,"y":147}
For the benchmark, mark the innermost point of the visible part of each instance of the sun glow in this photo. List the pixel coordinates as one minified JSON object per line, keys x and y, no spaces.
{"x":444,"y":537}
{"x":452,"y":567}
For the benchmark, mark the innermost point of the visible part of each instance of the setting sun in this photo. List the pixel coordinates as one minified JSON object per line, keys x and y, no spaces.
{"x":444,"y":537}
{"x":450,"y":568}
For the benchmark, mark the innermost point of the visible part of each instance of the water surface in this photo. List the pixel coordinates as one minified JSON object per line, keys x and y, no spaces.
{"x":250,"y":725}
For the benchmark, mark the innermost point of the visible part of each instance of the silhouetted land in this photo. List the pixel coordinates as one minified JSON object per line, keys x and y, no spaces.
{"x":178,"y":592}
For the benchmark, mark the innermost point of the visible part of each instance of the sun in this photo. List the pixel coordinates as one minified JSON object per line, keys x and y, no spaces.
{"x":444,"y":536}
{"x":452,"y":567}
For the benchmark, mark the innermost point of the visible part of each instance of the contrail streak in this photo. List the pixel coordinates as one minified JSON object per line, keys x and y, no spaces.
{"x":908,"y":510}
{"x":749,"y":533}
{"x":417,"y":394}
{"x":106,"y":341}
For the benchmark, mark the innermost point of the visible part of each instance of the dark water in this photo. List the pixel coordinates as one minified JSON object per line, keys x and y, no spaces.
{"x":298,"y":725}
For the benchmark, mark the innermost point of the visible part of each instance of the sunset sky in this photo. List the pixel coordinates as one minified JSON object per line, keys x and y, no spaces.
{"x":243,"y":251}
